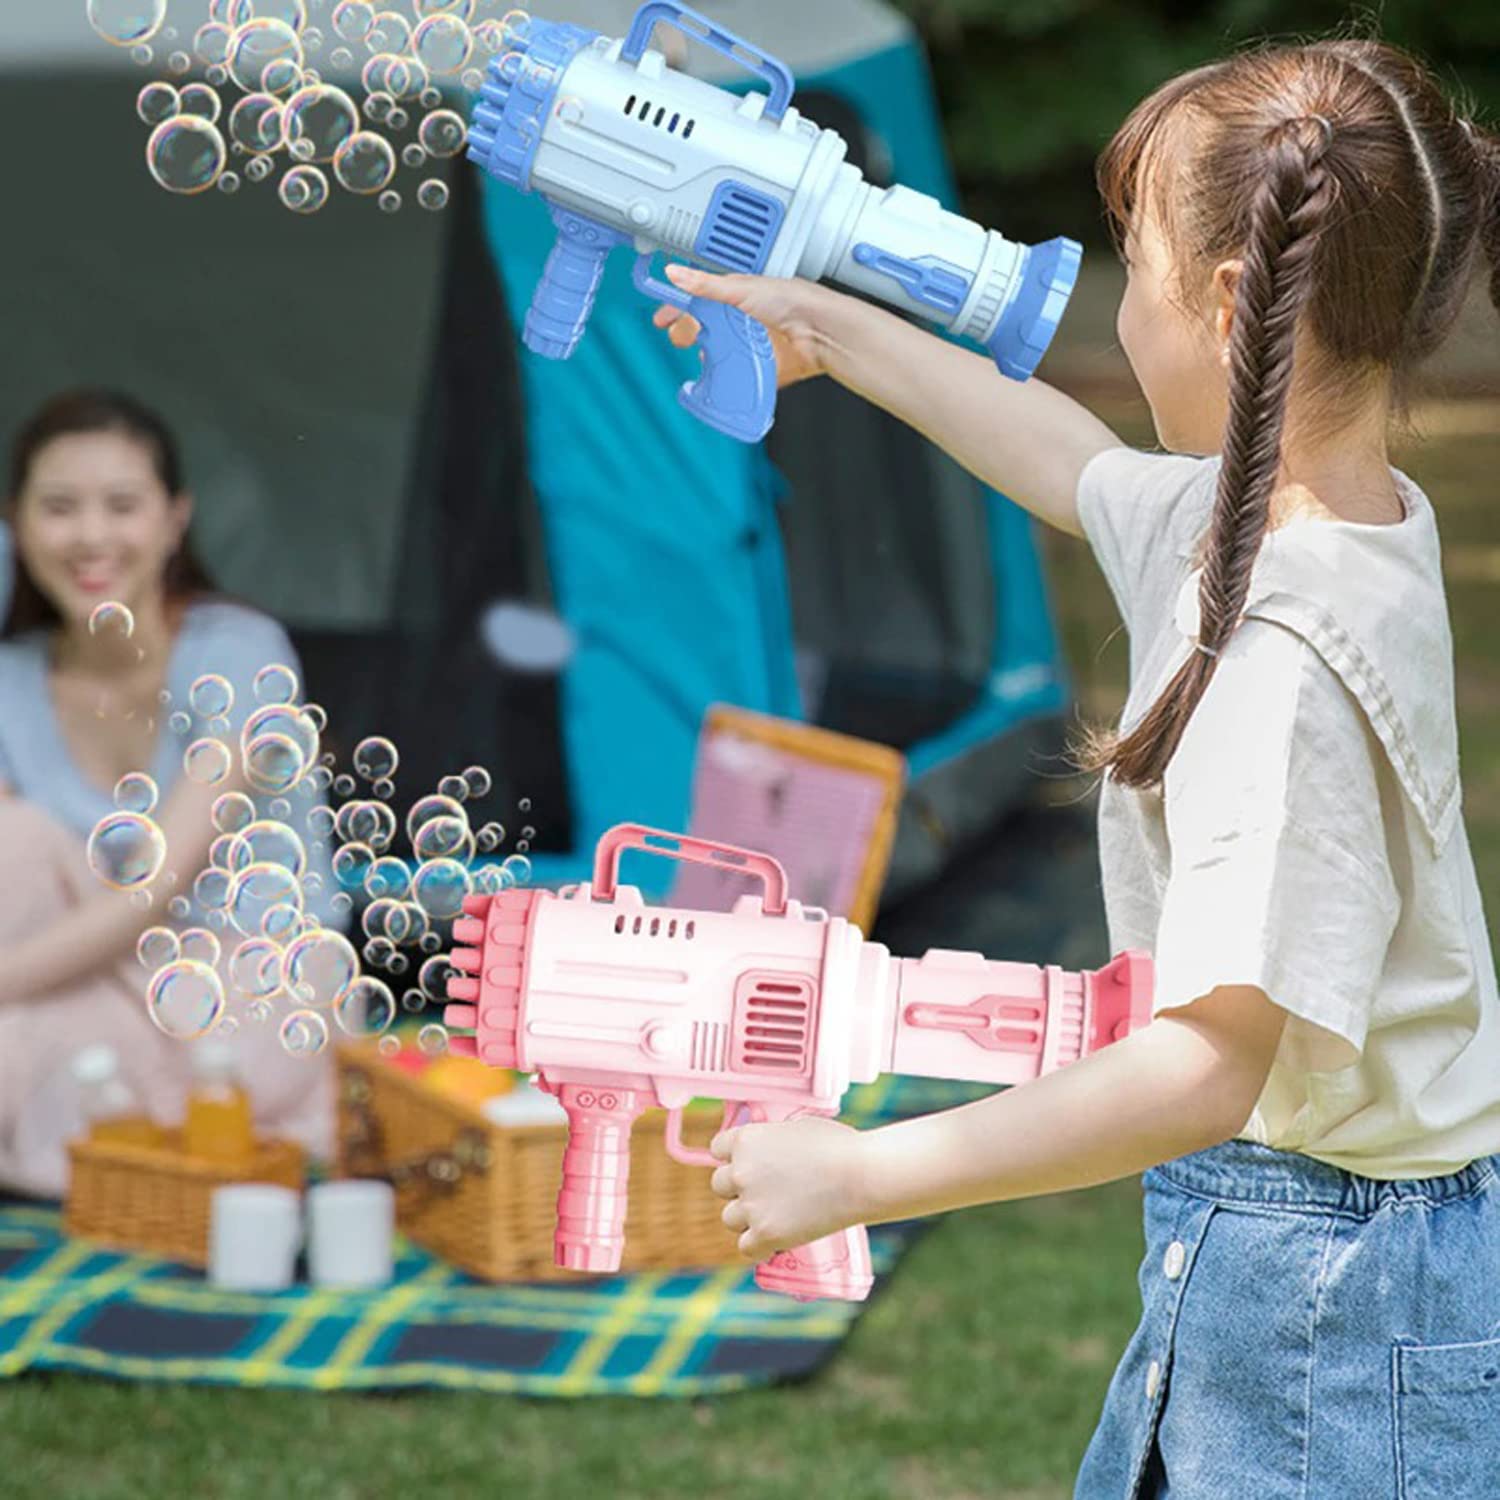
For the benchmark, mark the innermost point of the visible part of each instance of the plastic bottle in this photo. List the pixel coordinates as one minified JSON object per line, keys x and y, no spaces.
{"x":111,"y":1112}
{"x":218,"y":1126}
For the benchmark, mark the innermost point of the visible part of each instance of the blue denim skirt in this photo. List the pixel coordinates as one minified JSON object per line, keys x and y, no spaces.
{"x":1308,"y":1334}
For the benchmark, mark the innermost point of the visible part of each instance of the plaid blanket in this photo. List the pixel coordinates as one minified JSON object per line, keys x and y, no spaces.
{"x":66,"y":1305}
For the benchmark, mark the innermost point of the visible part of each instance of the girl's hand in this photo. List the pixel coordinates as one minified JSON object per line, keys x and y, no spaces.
{"x":789,"y":1183}
{"x":789,"y":307}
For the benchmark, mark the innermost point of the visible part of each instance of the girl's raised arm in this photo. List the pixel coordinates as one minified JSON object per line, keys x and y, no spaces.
{"x":1029,"y":441}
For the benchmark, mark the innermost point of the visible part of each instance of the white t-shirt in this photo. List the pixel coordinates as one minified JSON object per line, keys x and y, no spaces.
{"x":1308,"y":839}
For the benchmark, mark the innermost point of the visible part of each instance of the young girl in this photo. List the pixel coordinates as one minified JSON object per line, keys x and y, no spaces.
{"x":99,"y":512}
{"x":1318,"y":1098}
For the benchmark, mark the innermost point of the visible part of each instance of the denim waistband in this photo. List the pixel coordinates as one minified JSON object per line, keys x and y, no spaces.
{"x":1246,"y":1172}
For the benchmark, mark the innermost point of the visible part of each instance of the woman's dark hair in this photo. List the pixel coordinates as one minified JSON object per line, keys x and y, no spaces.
{"x":1358,"y":200}
{"x":86,"y":411}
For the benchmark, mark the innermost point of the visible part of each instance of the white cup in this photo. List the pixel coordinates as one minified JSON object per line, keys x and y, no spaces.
{"x":351,"y":1228}
{"x":254,"y":1231}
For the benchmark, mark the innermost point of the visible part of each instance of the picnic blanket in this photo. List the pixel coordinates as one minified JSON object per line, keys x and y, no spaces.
{"x":68,"y":1305}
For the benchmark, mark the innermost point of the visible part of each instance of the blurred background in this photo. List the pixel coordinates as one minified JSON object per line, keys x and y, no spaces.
{"x":553,"y":572}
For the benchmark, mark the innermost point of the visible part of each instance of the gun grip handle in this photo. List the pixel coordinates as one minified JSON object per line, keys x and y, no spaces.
{"x":837,"y":1266}
{"x":736,"y":393}
{"x":592,"y":1200}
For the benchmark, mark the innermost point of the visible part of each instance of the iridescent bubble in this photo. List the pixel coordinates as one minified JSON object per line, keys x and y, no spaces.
{"x":436,"y":805}
{"x":379,"y":951}
{"x":490,"y":837}
{"x":375,"y":758}
{"x":352,"y":19}
{"x":322,"y":118}
{"x":259,"y":1010}
{"x":372,"y":919}
{"x":385,"y":789}
{"x":374,"y":74}
{"x":280,"y":809}
{"x":273,"y":763}
{"x":398,"y":963}
{"x":185,"y":155}
{"x":256,"y":890}
{"x":211,"y":889}
{"x":444,"y":838}
{"x":433,"y":195}
{"x":384,"y":830}
{"x":390,"y":201}
{"x":379,"y":105}
{"x":157,"y":102}
{"x":366,"y":1008}
{"x":341,"y":58}
{"x":233,"y":812}
{"x":124,"y":23}
{"x":440,"y":886}
{"x":443,"y":133}
{"x":135,"y":792}
{"x":156,"y":947}
{"x":221,"y":852}
{"x":211,"y":42}
{"x":412,"y":155}
{"x":277,"y":684}
{"x":312,"y":40}
{"x":344,"y":785}
{"x":112,"y":619}
{"x":217,"y":74}
{"x":430,"y":97}
{"x":405,"y":923}
{"x":276,"y":771}
{"x":414,"y":1000}
{"x":389,"y":32}
{"x":406,"y":78}
{"x":365,"y":164}
{"x":179,"y":62}
{"x":141,"y":56}
{"x":211,"y":696}
{"x":522,"y":845}
{"x":443,"y":43}
{"x":397,"y":119}
{"x":258,"y":46}
{"x":317,"y":714}
{"x":185,"y":1000}
{"x":304,"y":189}
{"x":320,"y":822}
{"x":126,"y":850}
{"x":342,"y":902}
{"x":256,"y":124}
{"x":199,"y":100}
{"x":291,"y":13}
{"x":352,"y":864}
{"x":217,"y":920}
{"x":200,"y":945}
{"x":268,"y":842}
{"x":283,"y":75}
{"x":387,"y":878}
{"x":318,"y":967}
{"x":304,"y":1033}
{"x":232,"y":13}
{"x":255,"y":968}
{"x":206,"y":761}
{"x":284,"y":922}
{"x":433,"y":1040}
{"x":519,"y":867}
{"x":229,"y":182}
{"x":180,"y":722}
{"x":179,"y":907}
{"x":389,"y":1045}
{"x":260,"y":168}
{"x":227,"y":1026}
{"x":463,"y":9}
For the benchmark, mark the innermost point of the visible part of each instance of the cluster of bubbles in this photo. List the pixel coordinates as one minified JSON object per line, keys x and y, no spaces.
{"x":263,"y":953}
{"x":263,"y":100}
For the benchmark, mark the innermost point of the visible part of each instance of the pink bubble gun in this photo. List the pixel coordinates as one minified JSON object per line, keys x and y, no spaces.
{"x":774,"y":1008}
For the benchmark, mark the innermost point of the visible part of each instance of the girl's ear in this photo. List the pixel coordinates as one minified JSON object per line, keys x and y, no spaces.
{"x":182,"y":516}
{"x":1226,"y":285}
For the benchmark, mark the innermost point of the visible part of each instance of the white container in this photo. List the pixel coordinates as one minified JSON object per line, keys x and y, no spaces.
{"x":255,"y":1229}
{"x":351,"y":1231}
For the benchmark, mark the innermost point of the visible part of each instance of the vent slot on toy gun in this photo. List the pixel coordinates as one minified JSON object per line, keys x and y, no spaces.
{"x":740,"y":228}
{"x":773,"y":1024}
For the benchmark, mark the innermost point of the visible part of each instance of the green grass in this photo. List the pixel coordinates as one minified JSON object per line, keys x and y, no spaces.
{"x":979,"y":1373}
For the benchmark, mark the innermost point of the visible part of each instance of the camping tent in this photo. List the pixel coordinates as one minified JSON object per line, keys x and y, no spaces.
{"x":378,"y":462}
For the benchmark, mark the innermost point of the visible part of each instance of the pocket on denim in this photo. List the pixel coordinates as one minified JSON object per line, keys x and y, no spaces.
{"x":1447,"y":1414}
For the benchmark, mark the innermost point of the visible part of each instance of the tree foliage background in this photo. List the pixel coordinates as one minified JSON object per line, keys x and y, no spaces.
{"x":1032,"y":89}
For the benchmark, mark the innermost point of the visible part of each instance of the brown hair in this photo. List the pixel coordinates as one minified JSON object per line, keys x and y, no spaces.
{"x":1357,"y":200}
{"x":87,"y":411}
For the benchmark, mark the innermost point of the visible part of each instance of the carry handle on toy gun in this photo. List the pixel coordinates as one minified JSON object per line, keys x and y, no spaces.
{"x":625,"y":149}
{"x":773,"y":1008}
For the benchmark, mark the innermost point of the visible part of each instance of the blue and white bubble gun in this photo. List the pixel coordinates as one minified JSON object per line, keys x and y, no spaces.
{"x":625,"y":149}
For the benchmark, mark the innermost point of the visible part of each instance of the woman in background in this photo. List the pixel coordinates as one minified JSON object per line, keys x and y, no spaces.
{"x":99,"y":513}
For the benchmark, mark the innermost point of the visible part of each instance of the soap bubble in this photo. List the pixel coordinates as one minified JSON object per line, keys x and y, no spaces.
{"x":430,"y":97}
{"x":229,"y":182}
{"x":126,"y":851}
{"x":179,"y":907}
{"x":211,"y":889}
{"x":260,"y":168}
{"x":157,"y":947}
{"x":206,"y":761}
{"x":374,"y":74}
{"x":433,"y":1040}
{"x":312,"y":40}
{"x":341,"y":58}
{"x":519,"y":867}
{"x":185,"y":999}
{"x":352,"y":19}
{"x":304,"y":190}
{"x":179,"y":62}
{"x":232,"y":812}
{"x":200,"y":945}
{"x":318,"y":967}
{"x":258,"y":47}
{"x":291,"y":746}
{"x":141,"y":56}
{"x":444,"y":838}
{"x":387,"y":878}
{"x":433,"y":195}
{"x":440,"y":886}
{"x":211,"y":42}
{"x":259,"y":1010}
{"x":157,"y":102}
{"x":180,"y":722}
{"x":379,"y":951}
{"x":185,"y":155}
{"x":434,"y":975}
{"x":390,"y":201}
{"x":382,"y":828}
{"x":352,"y":864}
{"x":277,"y":684}
{"x":358,"y":822}
{"x":389,"y":1045}
{"x":256,"y":124}
{"x":256,"y":890}
{"x":221,"y":852}
{"x":443,"y":133}
{"x":390,"y":31}
{"x":291,"y":13}
{"x":406,"y":78}
{"x":405,"y":923}
{"x":464,"y":9}
{"x":268,"y":842}
{"x":397,"y":119}
{"x":379,"y":105}
{"x":443,"y":43}
{"x":376,"y":758}
{"x":414,"y":1001}
{"x":372,"y":919}
{"x":436,"y":805}
{"x":320,"y":822}
{"x":304,"y":1033}
{"x":366,"y":1008}
{"x":124,"y":23}
{"x":255,"y":968}
{"x":135,"y":792}
{"x":413,"y":155}
{"x":324,"y":118}
{"x":211,"y":695}
{"x":283,"y":922}
{"x":343,"y":784}
{"x":232,"y":13}
{"x":200,"y":100}
{"x":112,"y":619}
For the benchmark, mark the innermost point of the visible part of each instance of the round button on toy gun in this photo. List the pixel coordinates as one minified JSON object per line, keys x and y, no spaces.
{"x":773,"y":1008}
{"x":625,"y":149}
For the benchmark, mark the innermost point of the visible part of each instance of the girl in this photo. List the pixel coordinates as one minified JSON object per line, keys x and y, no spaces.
{"x":1317,"y":1102}
{"x":100,"y":513}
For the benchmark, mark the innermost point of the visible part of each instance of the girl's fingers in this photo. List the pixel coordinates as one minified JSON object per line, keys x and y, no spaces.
{"x":731,"y":289}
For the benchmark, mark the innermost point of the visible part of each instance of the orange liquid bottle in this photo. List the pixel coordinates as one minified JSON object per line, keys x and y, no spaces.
{"x":218,"y":1125}
{"x":111,"y":1111}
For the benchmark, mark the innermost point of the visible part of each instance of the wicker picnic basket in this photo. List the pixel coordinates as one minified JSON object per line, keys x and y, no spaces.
{"x":484,"y":1196}
{"x":156,"y":1198}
